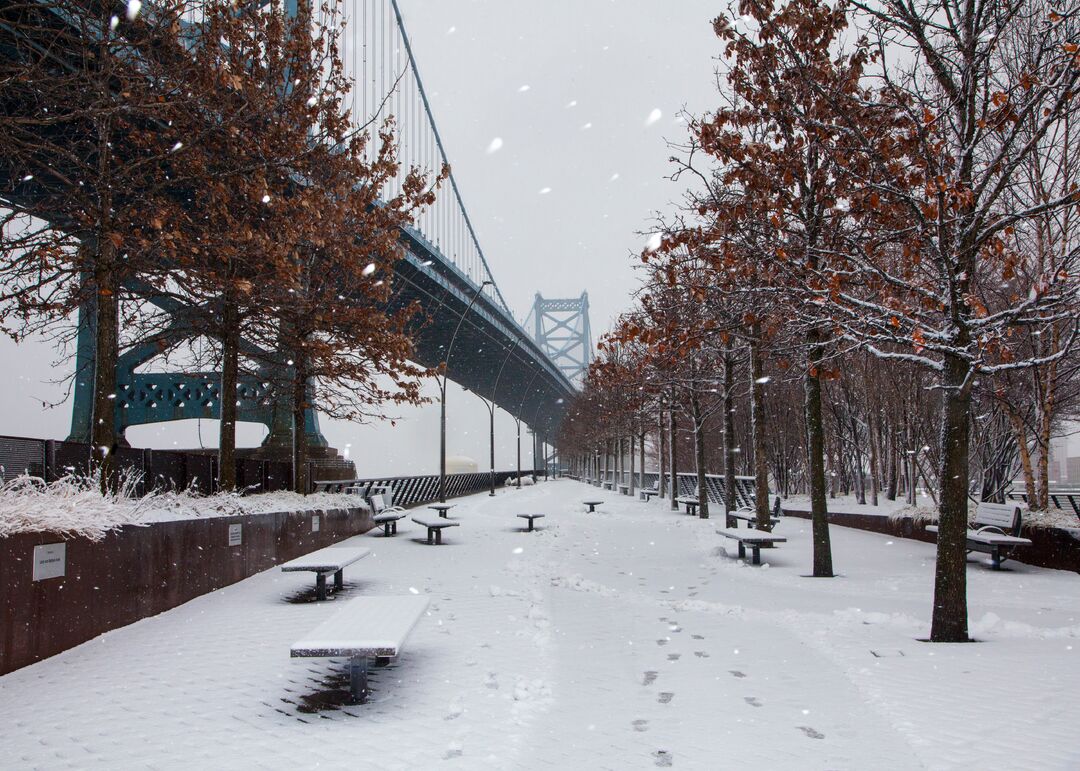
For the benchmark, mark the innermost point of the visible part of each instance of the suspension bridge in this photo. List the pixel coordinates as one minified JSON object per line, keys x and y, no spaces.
{"x":468,"y":324}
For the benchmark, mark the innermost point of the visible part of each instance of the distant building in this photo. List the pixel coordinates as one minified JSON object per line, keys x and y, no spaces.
{"x":1072,"y":475}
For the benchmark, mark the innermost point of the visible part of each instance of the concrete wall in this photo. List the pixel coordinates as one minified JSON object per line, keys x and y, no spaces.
{"x":141,"y":571}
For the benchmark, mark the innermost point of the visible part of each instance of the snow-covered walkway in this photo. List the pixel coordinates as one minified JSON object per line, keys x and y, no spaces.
{"x":622,"y":639}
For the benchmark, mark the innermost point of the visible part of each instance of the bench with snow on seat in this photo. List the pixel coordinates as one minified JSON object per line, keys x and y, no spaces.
{"x":646,"y":493}
{"x":755,"y":539}
{"x":364,"y":628}
{"x":329,"y":561}
{"x":747,"y":515}
{"x":530,"y":517}
{"x":592,"y":505}
{"x":386,"y":516}
{"x":691,"y":502}
{"x":435,"y":527}
{"x":624,"y":489}
{"x":997,"y":532}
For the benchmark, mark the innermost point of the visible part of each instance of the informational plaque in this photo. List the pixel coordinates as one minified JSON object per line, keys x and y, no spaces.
{"x":315,"y":524}
{"x":234,"y":535}
{"x":50,"y":560}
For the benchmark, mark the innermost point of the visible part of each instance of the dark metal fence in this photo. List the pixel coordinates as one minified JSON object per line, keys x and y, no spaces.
{"x":412,"y":491}
{"x":714,"y":485}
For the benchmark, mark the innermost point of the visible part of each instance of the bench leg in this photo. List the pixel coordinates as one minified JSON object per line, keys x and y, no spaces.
{"x":358,"y":689}
{"x":393,"y":527}
{"x":438,"y":536}
{"x":757,"y":554}
{"x":386,"y":529}
{"x":339,"y":579}
{"x":320,"y":586}
{"x":742,"y":551}
{"x":530,"y":525}
{"x":995,"y":558}
{"x":430,"y":535}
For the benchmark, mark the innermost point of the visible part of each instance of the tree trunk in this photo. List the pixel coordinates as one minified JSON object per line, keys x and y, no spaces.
{"x":661,"y":485}
{"x":893,"y":471}
{"x":630,"y":480}
{"x":641,"y":452}
{"x":699,"y":453}
{"x":871,"y":434}
{"x":299,"y":435}
{"x":757,"y":421}
{"x":1020,"y":432}
{"x":950,"y":581}
{"x":230,"y":363}
{"x":729,"y":440}
{"x":103,"y":436}
{"x":673,"y":443}
{"x":815,"y":445}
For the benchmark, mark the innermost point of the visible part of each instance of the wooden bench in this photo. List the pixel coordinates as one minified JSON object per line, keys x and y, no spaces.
{"x":435,"y":526}
{"x":366,"y":627}
{"x":531,"y":518}
{"x":386,"y":516}
{"x":324,"y":562}
{"x":592,"y":505}
{"x":755,"y":539}
{"x":334,"y":485}
{"x":997,"y":532}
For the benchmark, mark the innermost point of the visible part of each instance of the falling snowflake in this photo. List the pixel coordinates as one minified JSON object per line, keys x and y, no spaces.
{"x":369,"y":269}
{"x":653,"y":243}
{"x":654,"y":116}
{"x":133,"y":8}
{"x":495,"y":145}
{"x":545,"y":190}
{"x":524,"y":88}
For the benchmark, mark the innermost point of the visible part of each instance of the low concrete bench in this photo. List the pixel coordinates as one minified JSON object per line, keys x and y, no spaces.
{"x":530,"y":517}
{"x":435,"y":526}
{"x":755,"y":539}
{"x":997,"y":532}
{"x":624,"y":489}
{"x":367,"y":627}
{"x":607,"y":485}
{"x":646,"y":493}
{"x":385,"y":516}
{"x":592,"y":505}
{"x":324,"y":562}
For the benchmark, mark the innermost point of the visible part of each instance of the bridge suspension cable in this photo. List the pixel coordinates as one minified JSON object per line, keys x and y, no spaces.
{"x":378,"y":57}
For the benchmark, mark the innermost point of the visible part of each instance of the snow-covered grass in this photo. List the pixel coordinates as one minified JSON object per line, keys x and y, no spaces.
{"x":626,"y":638}
{"x":75,"y":505}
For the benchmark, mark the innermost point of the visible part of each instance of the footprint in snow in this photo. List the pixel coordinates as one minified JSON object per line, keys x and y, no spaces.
{"x":640,"y":725}
{"x":666,"y":697}
{"x":662,"y":642}
{"x":736,"y":673}
{"x":811,"y":732}
{"x":663,"y":759}
{"x":492,"y":681}
{"x":753,"y":701}
{"x":650,"y":677}
{"x":701,"y":654}
{"x":674,"y":656}
{"x":698,"y":636}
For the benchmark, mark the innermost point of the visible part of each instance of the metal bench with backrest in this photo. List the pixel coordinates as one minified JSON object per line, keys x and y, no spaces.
{"x":749,"y":516}
{"x":364,"y":628}
{"x":646,"y":493}
{"x":386,"y":516}
{"x":325,"y":562}
{"x":334,"y":485}
{"x":691,"y":502}
{"x":996,"y":532}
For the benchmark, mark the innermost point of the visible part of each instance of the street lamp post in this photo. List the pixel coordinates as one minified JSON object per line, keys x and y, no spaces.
{"x":442,"y":389}
{"x":491,"y":414}
{"x":517,"y":420}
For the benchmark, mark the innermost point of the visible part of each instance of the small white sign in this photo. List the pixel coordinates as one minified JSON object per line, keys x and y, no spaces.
{"x":234,"y":535}
{"x":315,"y":524}
{"x":50,"y":560}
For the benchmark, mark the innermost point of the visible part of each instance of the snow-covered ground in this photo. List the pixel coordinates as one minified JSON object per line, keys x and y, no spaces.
{"x":622,"y":639}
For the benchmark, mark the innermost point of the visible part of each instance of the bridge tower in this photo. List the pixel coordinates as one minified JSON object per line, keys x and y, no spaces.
{"x":561,"y":329}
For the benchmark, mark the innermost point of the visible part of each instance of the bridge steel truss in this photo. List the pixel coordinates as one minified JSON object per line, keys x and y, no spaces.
{"x":444,"y":268}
